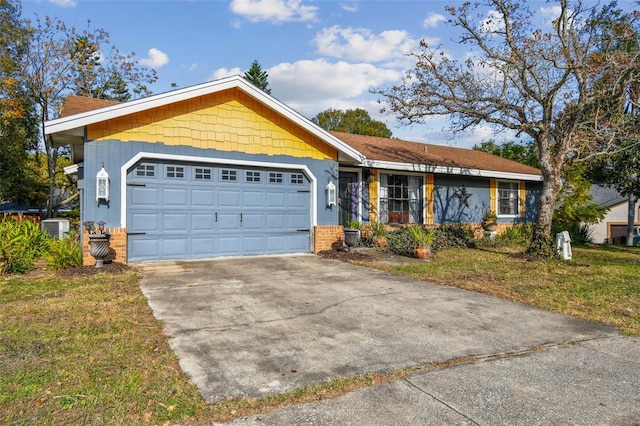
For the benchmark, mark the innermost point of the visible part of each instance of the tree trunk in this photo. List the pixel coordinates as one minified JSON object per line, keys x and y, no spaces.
{"x":631,"y":215}
{"x":541,"y":244}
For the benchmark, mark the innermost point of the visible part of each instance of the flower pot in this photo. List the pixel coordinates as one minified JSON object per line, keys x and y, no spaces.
{"x":351,"y":237}
{"x":421,"y":252}
{"x":99,"y":247}
{"x":490,"y":226}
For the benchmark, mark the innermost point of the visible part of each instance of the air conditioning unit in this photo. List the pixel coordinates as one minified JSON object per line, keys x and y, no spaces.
{"x":57,"y":228}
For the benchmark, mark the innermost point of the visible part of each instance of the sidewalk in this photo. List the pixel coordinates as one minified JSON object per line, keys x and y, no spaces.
{"x":596,"y":382}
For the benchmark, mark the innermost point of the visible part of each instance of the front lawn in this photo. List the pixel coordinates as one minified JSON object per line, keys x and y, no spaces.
{"x":87,"y":350}
{"x":600,"y":283}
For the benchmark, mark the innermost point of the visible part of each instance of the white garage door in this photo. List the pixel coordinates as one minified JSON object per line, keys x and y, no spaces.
{"x":191,"y":211}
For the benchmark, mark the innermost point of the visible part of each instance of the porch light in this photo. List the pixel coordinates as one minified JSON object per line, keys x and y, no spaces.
{"x":330,"y":193}
{"x":102,"y":185}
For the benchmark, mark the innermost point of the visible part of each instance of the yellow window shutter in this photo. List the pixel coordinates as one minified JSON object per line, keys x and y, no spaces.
{"x":523,"y":199}
{"x":493,"y":195}
{"x":428,"y":196}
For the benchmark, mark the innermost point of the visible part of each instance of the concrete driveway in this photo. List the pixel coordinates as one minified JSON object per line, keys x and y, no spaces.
{"x":265,"y":325}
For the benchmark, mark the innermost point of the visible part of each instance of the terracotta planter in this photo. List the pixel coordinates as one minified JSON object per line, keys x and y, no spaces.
{"x":422,"y":252}
{"x":380,"y":241}
{"x":490,"y":226}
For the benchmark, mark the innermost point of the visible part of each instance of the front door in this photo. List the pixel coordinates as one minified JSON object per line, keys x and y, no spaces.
{"x":348,"y":197}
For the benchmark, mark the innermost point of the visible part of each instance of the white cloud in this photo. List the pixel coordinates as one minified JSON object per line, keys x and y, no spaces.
{"x":155,"y":58}
{"x":276,"y":11}
{"x":353,"y":7}
{"x":224,"y":72}
{"x":492,"y":23}
{"x":63,"y":3}
{"x":313,"y":86}
{"x":433,"y":20}
{"x":551,"y":12}
{"x":362,"y":45}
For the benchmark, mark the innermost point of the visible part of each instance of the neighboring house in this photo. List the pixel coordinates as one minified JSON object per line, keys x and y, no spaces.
{"x":613,"y":228}
{"x":223,"y":169}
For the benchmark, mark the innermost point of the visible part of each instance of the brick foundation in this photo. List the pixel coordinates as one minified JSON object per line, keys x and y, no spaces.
{"x":118,"y":244}
{"x":327,"y":237}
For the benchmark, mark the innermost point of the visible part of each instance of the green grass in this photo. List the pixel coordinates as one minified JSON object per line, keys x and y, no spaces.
{"x":87,"y":352}
{"x":600,"y":283}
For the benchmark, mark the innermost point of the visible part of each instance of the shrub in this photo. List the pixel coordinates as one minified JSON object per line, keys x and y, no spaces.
{"x":65,"y":253}
{"x":452,"y":236}
{"x":421,"y":237}
{"x":21,"y":243}
{"x":400,"y":242}
{"x":518,"y":234}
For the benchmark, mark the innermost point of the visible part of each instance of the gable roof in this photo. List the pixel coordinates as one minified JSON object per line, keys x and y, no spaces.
{"x":77,"y":104}
{"x":398,"y":154}
{"x":73,"y":125}
{"x":606,"y":197}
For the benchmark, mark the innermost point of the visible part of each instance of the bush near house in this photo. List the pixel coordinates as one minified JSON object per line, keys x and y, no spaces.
{"x":22,"y":242}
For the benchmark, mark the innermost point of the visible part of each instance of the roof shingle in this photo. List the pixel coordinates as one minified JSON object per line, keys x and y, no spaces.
{"x":77,"y":104}
{"x":400,"y":151}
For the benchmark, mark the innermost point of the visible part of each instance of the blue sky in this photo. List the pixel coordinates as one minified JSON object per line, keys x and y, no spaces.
{"x":318,"y":54}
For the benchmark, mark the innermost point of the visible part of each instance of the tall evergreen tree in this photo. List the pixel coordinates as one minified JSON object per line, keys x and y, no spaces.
{"x":258,"y":77}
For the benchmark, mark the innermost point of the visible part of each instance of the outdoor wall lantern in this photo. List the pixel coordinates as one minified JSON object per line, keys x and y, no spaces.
{"x":330,"y":193}
{"x":102,"y":185}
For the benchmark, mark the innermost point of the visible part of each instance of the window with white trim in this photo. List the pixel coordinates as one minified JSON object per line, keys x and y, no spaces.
{"x":275,"y":177}
{"x":508,"y":198}
{"x":401,"y":198}
{"x":227,"y":175}
{"x":202,"y":173}
{"x":146,"y":170}
{"x":297,"y":179}
{"x":174,"y":172}
{"x":252,"y":176}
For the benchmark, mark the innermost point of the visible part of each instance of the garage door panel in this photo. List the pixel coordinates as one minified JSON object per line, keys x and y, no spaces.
{"x":143,"y":222}
{"x":275,"y":199}
{"x":229,"y":245}
{"x":299,"y":242}
{"x":202,"y":221}
{"x":299,"y":200}
{"x":175,"y":247}
{"x":173,"y":222}
{"x":227,"y":221}
{"x":174,"y":197}
{"x":143,"y":196}
{"x":203,"y":245}
{"x":229,"y":198}
{"x":253,"y":245}
{"x":193,"y":217}
{"x":252,"y":199}
{"x":202,"y":198}
{"x":252,"y":221}
{"x":144,"y":249}
{"x":297,"y":221}
{"x":276,"y":243}
{"x":275,"y":222}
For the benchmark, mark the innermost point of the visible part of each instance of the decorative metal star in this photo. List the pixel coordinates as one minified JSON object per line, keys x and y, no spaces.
{"x":463,"y":197}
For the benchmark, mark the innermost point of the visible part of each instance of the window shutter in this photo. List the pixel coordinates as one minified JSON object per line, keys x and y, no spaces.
{"x":523,"y":199}
{"x":493,"y":195}
{"x":429,"y":199}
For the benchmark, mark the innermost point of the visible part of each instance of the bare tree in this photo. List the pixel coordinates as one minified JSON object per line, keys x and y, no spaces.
{"x":536,"y":81}
{"x":57,"y":64}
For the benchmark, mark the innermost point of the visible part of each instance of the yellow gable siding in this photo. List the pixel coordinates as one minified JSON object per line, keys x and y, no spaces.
{"x":226,"y":121}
